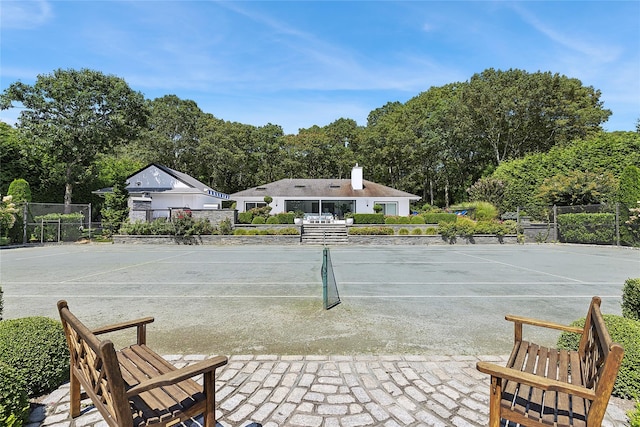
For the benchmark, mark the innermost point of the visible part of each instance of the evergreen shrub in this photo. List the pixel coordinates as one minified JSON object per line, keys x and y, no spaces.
{"x":416,"y":231}
{"x":365,"y":218}
{"x":37,"y":348}
{"x":258,"y":220}
{"x":439,"y":217}
{"x":417,"y":219}
{"x":634,"y":416}
{"x":431,"y":231}
{"x":391,"y":220}
{"x":404,"y":220}
{"x":14,"y":401}
{"x":285,"y":217}
{"x":403,"y":232}
{"x":630,"y":299}
{"x":625,"y":332}
{"x":598,"y":228}
{"x":245,"y":217}
{"x":273,"y":220}
{"x":381,"y":231}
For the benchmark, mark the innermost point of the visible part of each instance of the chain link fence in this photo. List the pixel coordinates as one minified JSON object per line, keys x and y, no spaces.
{"x":55,"y":222}
{"x":603,"y":224}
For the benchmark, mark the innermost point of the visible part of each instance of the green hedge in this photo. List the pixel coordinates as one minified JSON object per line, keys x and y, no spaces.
{"x":372,"y":231}
{"x":185,"y":226}
{"x":625,"y":332}
{"x":596,"y":228}
{"x":14,"y":401}
{"x":630,"y":299}
{"x":37,"y":348}
{"x":439,"y":217}
{"x":285,"y":217}
{"x":70,"y":227}
{"x":362,"y":218}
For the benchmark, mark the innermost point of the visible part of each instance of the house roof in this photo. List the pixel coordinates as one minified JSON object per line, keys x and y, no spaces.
{"x":334,"y":188}
{"x":194,"y":184}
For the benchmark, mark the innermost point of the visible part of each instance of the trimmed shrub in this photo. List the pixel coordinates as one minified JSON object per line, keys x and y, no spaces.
{"x":372,"y":231}
{"x":375,"y":218}
{"x":240,"y":232}
{"x":404,"y":220}
{"x":14,"y":401}
{"x":598,"y":228}
{"x":285,"y":217}
{"x":416,"y":231}
{"x":431,"y":231}
{"x":289,"y":231}
{"x":391,"y":220}
{"x":630,"y":299}
{"x":273,"y":220}
{"x":37,"y":348}
{"x":625,"y":332}
{"x":417,"y":219}
{"x":258,"y":220}
{"x":403,"y":232}
{"x":439,"y":217}
{"x":245,"y":217}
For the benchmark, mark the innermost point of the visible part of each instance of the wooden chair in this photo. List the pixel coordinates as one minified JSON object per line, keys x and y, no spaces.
{"x":135,"y":386}
{"x":545,"y":386}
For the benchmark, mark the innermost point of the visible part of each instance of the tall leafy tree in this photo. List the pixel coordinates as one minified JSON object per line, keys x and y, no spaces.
{"x":73,"y":115}
{"x":171,"y":137}
{"x":516,"y":113}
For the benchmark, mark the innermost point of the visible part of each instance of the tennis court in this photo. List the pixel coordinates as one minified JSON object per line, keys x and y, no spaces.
{"x":268,"y":299}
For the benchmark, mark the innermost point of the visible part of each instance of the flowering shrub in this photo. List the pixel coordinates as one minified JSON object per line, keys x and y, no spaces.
{"x":8,"y":213}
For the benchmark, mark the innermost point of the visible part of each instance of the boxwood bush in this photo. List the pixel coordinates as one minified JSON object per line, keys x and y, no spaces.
{"x":364,"y":218}
{"x":417,"y":219}
{"x":14,"y":401}
{"x":37,"y":349}
{"x":630,"y":299}
{"x":245,"y":217}
{"x":273,"y":220}
{"x":625,"y":332}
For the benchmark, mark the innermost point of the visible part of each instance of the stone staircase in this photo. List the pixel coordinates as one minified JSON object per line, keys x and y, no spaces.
{"x":324,"y":234}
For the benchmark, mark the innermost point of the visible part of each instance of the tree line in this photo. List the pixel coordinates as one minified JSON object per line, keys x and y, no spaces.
{"x":81,"y":130}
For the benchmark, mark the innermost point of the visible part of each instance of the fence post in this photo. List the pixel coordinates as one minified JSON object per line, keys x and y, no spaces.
{"x":617,"y":224}
{"x":24,"y":222}
{"x":555,"y":222}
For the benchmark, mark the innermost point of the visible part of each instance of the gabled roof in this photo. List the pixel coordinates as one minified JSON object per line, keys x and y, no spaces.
{"x":193,"y":184}
{"x":340,"y":188}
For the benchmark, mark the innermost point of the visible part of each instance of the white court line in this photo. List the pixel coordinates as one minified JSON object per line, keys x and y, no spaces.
{"x":345,"y":297}
{"x":124,"y":268}
{"x":340,"y":283}
{"x":521,"y":268}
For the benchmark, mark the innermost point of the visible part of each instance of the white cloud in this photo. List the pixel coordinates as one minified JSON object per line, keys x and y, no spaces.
{"x":25,"y":14}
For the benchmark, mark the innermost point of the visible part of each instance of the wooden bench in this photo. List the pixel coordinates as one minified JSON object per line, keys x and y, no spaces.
{"x":545,"y":386}
{"x":135,"y":386}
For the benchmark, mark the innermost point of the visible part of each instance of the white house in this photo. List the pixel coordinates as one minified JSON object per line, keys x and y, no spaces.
{"x":326,"y":196}
{"x":156,"y":190}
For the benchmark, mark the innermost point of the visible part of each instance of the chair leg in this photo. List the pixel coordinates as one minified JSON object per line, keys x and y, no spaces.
{"x":495,"y":394}
{"x":74,"y":395}
{"x":210,"y":393}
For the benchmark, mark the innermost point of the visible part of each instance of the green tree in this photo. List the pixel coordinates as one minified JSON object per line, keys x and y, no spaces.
{"x":115,"y":210}
{"x":629,"y":198}
{"x":578,"y":188}
{"x":516,"y":113}
{"x":171,"y":137}
{"x":71,"y":116}
{"x":20,"y":191}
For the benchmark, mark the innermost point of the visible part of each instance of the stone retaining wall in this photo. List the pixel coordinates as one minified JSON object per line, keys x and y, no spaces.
{"x":295,"y":240}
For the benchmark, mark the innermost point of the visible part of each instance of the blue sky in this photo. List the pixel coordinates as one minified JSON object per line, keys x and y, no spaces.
{"x":300,"y":63}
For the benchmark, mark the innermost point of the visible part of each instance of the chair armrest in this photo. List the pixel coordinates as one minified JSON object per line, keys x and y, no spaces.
{"x":178,"y":375}
{"x":535,"y":381}
{"x":518,"y":321}
{"x":140,"y":324}
{"x":123,"y":325}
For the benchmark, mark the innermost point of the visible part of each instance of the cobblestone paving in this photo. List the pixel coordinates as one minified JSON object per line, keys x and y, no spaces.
{"x":333,"y":391}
